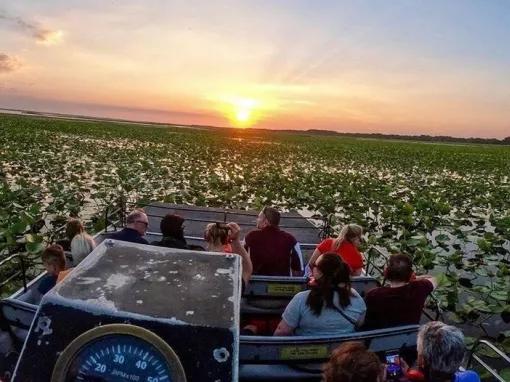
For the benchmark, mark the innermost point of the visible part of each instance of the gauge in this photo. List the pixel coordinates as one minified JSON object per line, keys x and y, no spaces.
{"x":118,"y":352}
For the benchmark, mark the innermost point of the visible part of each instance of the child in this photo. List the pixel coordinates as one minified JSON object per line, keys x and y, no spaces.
{"x":54,"y":261}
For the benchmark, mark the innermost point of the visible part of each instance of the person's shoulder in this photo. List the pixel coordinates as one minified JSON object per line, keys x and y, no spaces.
{"x":355,"y":295}
{"x":251,"y":237}
{"x":253,"y":233}
{"x":467,"y":376}
{"x":325,"y":245}
{"x":377,"y":291}
{"x":47,"y":282}
{"x":301,"y":296}
{"x":348,"y":247}
{"x":422,"y":284}
{"x":287,"y":235}
{"x":118,"y":234}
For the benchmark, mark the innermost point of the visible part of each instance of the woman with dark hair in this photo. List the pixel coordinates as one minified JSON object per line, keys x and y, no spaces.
{"x":352,"y":362}
{"x":173,"y":232}
{"x":330,"y":307}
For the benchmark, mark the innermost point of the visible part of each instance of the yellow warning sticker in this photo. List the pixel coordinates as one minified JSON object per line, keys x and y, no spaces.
{"x":284,"y":289}
{"x":304,"y":352}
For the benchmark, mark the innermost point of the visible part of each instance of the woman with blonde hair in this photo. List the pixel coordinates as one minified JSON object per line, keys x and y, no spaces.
{"x":222,"y":237}
{"x":81,"y":242}
{"x":346,"y":246}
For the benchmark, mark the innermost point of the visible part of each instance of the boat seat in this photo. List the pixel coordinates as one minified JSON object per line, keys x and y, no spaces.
{"x":18,"y":315}
{"x":271,"y":294}
{"x":299,"y":358}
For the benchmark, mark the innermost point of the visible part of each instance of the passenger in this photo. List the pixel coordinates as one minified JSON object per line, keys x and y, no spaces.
{"x":81,"y":242}
{"x":330,"y":307}
{"x":173,"y":232}
{"x":271,"y":249}
{"x":221,"y":237}
{"x":54,"y":261}
{"x":352,"y":362}
{"x":400,"y":303}
{"x":346,"y":246}
{"x":216,"y":236}
{"x":137,"y":223}
{"x":441,"y":349}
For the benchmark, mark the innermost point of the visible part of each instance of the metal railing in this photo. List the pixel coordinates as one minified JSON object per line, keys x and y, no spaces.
{"x":500,"y":355}
{"x":19,"y":270}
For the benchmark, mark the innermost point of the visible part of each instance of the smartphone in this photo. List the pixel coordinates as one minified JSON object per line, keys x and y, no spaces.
{"x":393,"y":358}
{"x":393,"y":368}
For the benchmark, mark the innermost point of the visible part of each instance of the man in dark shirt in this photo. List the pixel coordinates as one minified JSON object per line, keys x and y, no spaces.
{"x":400,"y":303}
{"x":272,"y":250}
{"x":136,"y":226}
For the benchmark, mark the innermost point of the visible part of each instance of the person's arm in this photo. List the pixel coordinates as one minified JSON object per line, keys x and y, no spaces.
{"x":430,"y":278}
{"x":238,"y":248}
{"x":291,"y":316}
{"x":283,"y":329}
{"x":361,"y":320}
{"x":357,"y":272}
{"x":316,"y":253}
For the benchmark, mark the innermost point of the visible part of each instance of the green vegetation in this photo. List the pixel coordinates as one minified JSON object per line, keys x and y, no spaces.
{"x":446,"y":205}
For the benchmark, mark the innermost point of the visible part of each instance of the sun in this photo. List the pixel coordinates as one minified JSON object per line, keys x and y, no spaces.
{"x":241,"y":112}
{"x":243,"y":115}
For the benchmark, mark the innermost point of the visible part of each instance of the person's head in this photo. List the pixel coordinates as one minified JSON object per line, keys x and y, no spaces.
{"x":351,"y":233}
{"x":74,"y":227}
{"x":171,"y":226}
{"x":138,"y":221}
{"x":352,"y":362}
{"x":399,"y":268}
{"x":269,"y":216}
{"x":331,"y":274}
{"x":54,"y":259}
{"x":216,"y":234}
{"x":441,"y":350}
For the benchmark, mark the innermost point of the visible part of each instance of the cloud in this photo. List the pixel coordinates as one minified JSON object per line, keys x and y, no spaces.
{"x":8,"y":63}
{"x":42,"y":35}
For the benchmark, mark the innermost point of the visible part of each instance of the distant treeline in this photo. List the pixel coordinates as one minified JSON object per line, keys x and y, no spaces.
{"x":427,"y":138}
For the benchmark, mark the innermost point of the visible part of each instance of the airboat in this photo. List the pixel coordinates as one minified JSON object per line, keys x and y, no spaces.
{"x":132,"y":312}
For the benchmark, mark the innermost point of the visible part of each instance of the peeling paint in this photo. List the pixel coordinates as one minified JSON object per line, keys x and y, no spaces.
{"x":117,"y":280}
{"x":199,"y":277}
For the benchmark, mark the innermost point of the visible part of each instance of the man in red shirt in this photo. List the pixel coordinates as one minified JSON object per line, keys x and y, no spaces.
{"x":400,"y":303}
{"x":272,"y":250}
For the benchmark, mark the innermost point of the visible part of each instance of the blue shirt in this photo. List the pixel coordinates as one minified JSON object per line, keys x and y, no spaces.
{"x":129,"y":234}
{"x":330,"y":322}
{"x":466,"y":376}
{"x":47,"y":282}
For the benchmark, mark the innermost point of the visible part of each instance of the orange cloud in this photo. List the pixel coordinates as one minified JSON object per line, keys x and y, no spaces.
{"x":42,"y":35}
{"x":8,"y":63}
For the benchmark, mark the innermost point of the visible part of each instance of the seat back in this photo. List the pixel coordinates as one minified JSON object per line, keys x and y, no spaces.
{"x":301,"y":358}
{"x":17,"y":317}
{"x":271,"y":294}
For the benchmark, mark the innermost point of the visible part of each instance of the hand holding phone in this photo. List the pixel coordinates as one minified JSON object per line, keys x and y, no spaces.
{"x":393,"y":366}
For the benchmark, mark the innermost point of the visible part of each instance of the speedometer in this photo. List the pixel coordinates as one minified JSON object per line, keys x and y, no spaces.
{"x":118,"y":352}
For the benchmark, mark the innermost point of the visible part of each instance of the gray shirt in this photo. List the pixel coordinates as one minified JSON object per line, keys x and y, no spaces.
{"x":330,"y":322}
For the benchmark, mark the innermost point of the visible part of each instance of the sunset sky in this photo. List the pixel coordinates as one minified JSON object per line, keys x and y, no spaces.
{"x":438,"y":67}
